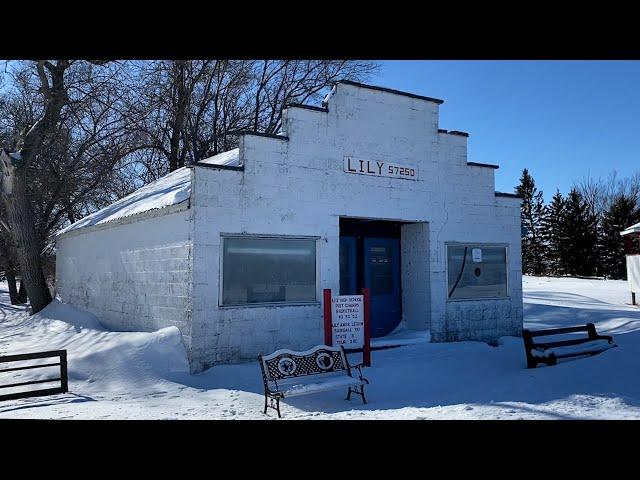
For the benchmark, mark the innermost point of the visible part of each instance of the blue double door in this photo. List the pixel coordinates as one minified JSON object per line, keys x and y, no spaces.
{"x":374,"y":263}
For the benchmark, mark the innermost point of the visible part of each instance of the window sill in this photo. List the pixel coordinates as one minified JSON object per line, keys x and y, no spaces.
{"x":269,"y":304}
{"x":483,"y":299}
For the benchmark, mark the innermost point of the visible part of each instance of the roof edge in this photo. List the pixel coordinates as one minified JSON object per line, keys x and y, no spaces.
{"x":508,"y":195}
{"x":259,"y":134}
{"x":307,"y":107}
{"x":390,"y":90}
{"x":458,"y":132}
{"x":116,"y":222}
{"x":635,"y":228}
{"x":238,"y":168}
{"x":485,"y":165}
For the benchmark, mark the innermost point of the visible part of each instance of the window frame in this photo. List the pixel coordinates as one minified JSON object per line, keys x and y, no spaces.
{"x":507,"y":295}
{"x":224,"y":236}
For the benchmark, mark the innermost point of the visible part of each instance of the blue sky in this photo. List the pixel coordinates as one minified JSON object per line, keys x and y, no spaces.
{"x":563,"y":120}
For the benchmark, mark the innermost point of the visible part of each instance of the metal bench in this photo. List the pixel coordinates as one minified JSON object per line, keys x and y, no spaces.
{"x":549,"y":352}
{"x":286,"y":373}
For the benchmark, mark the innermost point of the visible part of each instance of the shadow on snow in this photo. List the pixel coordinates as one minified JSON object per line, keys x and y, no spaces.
{"x":473,"y":373}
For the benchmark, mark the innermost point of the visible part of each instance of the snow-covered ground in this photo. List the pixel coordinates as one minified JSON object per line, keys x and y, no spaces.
{"x":132,"y":375}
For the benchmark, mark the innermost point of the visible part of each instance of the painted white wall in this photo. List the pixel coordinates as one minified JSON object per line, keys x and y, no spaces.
{"x":133,"y":276}
{"x":633,"y":274}
{"x":298,"y":187}
{"x":414,"y":270}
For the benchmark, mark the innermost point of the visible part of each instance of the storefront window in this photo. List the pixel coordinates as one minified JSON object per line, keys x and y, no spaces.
{"x":476,"y":271}
{"x":268,"y":270}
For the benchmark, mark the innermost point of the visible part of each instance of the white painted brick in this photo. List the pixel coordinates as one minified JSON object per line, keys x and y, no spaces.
{"x":134,"y":276}
{"x":297,"y":187}
{"x":457,"y":202}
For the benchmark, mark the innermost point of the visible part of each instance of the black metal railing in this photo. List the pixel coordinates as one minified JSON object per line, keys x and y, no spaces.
{"x":63,"y":379}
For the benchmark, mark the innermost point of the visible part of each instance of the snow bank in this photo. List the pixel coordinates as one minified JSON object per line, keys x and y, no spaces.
{"x":63,"y":316}
{"x":111,"y":361}
{"x":136,"y":375}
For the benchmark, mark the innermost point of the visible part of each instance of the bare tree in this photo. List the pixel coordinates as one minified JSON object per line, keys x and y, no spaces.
{"x":196,"y":107}
{"x":600,"y":193}
{"x":280,"y":82}
{"x":78,"y":135}
{"x":67,"y":126}
{"x":19,"y":211}
{"x":8,"y":267}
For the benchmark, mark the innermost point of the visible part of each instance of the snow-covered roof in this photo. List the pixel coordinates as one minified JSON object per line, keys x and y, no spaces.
{"x":632,"y":229}
{"x":229,"y":159}
{"x":172,"y":189}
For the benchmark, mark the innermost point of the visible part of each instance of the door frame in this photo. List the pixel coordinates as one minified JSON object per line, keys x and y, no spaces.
{"x":370,"y":227}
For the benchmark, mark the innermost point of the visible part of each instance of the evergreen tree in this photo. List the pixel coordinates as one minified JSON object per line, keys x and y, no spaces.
{"x":532,"y":214}
{"x":553,"y":235}
{"x":579,"y":237}
{"x":622,"y":212}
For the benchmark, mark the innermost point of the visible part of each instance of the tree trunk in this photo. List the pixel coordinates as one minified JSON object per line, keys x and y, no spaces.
{"x":21,"y":221}
{"x":11,"y":281}
{"x":180,"y":106}
{"x":22,"y":293}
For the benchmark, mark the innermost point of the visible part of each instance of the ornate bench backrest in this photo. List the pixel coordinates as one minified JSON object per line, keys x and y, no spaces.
{"x":283,"y":364}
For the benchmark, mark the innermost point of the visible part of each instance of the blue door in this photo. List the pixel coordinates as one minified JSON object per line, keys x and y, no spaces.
{"x":348,"y":266}
{"x":382,"y":277}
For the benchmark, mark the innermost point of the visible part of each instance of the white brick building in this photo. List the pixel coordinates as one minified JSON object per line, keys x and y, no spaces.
{"x":632,"y":247}
{"x":367,"y":191}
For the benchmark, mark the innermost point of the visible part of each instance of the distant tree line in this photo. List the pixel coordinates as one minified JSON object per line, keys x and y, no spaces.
{"x":578,"y":234}
{"x":76,"y":135}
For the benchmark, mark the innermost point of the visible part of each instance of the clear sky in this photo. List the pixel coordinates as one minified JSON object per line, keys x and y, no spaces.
{"x":563,"y":120}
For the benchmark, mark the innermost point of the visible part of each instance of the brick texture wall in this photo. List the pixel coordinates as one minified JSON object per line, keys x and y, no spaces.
{"x":134,"y":276}
{"x":298,"y":187}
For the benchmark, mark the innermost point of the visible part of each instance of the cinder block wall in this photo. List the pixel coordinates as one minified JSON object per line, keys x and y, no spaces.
{"x":485,"y":320}
{"x":133,"y":276}
{"x":265,"y":200}
{"x":416,"y":292}
{"x":298,"y":187}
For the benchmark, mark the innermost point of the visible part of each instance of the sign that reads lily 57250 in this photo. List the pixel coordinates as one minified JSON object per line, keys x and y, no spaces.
{"x":347,"y":320}
{"x":380,"y":168}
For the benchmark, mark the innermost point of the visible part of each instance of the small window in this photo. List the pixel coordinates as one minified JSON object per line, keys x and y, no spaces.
{"x":268,"y":270}
{"x":476,"y":271}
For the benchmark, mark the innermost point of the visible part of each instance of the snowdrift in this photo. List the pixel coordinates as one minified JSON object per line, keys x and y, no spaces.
{"x":113,"y":360}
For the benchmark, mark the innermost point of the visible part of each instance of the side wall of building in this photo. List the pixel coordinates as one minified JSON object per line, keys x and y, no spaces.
{"x":133,"y":276}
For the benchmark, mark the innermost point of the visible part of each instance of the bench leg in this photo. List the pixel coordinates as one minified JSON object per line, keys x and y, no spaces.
{"x":355,"y":390}
{"x":269,"y":403}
